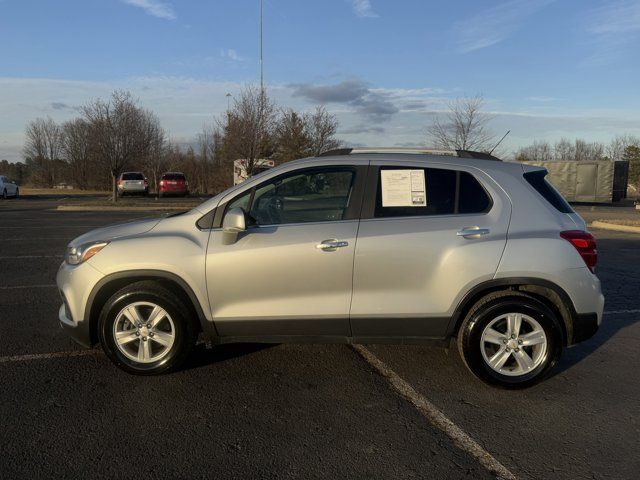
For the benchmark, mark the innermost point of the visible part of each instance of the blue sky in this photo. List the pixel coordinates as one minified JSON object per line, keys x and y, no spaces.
{"x":547,"y":68}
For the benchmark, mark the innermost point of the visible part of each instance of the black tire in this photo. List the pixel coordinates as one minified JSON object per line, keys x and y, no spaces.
{"x":4,"y":194}
{"x":148,"y":291}
{"x":491,"y":307}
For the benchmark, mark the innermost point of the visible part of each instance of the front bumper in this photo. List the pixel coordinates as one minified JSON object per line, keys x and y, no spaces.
{"x":75,"y":283}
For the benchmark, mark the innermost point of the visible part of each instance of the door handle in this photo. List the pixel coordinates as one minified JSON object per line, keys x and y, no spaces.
{"x":472,"y":232}
{"x":331,"y":245}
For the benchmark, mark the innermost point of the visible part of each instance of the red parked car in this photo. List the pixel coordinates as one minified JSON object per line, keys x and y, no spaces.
{"x":173,"y":183}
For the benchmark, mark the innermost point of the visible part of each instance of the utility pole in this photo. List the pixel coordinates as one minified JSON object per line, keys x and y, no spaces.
{"x":261,"y":64}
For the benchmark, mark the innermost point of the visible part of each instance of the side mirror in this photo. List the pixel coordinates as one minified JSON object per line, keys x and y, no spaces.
{"x":234,"y":223}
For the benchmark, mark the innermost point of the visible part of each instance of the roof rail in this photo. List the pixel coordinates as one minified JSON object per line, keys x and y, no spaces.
{"x":414,"y":151}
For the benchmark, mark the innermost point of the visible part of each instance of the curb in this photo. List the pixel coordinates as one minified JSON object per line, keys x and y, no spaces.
{"x":101,"y":208}
{"x":613,"y":226}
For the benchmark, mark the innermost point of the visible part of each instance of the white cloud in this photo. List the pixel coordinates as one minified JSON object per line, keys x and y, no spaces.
{"x":613,"y":30}
{"x":185,"y":104}
{"x":154,"y":8}
{"x":494,"y":24}
{"x":542,"y":99}
{"x":363,"y":9}
{"x":231,"y":54}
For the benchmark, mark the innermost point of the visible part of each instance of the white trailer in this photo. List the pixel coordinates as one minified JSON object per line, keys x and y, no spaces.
{"x":596,"y":181}
{"x":240,"y":173}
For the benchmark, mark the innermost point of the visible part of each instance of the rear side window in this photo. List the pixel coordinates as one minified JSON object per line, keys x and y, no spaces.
{"x":132,"y":176}
{"x":448,"y":192}
{"x":544,"y":188}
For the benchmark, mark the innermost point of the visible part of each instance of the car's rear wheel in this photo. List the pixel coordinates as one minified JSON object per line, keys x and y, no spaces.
{"x":510,"y":339}
{"x":144,"y":329}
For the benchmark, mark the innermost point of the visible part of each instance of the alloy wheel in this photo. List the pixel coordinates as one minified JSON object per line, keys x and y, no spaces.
{"x":144,"y":332}
{"x":513,"y":344}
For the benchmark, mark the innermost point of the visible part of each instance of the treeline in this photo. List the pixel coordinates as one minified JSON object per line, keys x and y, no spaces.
{"x":116,"y":135}
{"x":564,"y":149}
{"x":623,"y":147}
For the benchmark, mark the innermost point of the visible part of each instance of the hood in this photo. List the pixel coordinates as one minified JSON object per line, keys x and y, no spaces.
{"x":111,"y":232}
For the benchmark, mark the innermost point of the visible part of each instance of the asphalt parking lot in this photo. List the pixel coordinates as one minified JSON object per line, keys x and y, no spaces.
{"x":297,"y":411}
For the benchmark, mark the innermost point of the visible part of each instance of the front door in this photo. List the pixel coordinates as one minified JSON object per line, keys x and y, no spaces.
{"x":290,"y":273}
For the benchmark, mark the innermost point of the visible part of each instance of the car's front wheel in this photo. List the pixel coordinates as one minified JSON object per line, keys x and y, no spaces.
{"x":510,"y":339}
{"x":145,"y":329}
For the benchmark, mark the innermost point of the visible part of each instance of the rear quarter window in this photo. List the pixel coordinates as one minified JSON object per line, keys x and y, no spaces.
{"x":538,"y":181}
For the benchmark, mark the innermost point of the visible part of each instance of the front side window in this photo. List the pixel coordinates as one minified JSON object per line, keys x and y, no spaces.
{"x":429,"y":191}
{"x":299,"y":197}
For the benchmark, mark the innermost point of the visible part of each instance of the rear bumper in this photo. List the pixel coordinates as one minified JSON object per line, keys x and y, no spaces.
{"x":172,"y":191}
{"x":585,"y":326}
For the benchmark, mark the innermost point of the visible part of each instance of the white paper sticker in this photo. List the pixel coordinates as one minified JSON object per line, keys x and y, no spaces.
{"x":403,"y":188}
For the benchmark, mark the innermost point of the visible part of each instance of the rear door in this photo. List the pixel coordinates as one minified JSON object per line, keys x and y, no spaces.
{"x":416,"y":255}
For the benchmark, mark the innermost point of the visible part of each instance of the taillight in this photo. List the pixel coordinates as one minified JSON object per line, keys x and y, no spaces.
{"x":163,"y":183}
{"x":119,"y":182}
{"x":585,"y":244}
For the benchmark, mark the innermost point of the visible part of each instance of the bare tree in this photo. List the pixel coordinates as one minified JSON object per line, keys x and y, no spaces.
{"x":616,"y":148}
{"x":322,"y":130}
{"x":539,"y":151}
{"x":154,"y":157}
{"x":76,"y":147}
{"x":210,"y":141}
{"x":249,"y":127}
{"x":122,"y":132}
{"x":564,"y":150}
{"x":42,"y":149}
{"x":464,"y":127}
{"x":588,"y":151}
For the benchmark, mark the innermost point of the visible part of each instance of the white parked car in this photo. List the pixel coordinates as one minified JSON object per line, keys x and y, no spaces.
{"x":8,"y":188}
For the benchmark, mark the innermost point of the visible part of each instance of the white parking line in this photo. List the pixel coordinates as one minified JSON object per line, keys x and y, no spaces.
{"x":19,"y":287}
{"x":45,"y":356}
{"x":438,"y":419}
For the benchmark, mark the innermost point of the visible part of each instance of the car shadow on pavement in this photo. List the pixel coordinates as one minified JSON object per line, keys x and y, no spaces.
{"x":203,"y":356}
{"x":611,"y":325}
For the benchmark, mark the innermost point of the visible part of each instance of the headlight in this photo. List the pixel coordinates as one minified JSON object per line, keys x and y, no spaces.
{"x":82,"y":253}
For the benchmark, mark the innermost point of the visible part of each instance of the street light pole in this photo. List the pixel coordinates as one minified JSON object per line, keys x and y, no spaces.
{"x":261,"y":63}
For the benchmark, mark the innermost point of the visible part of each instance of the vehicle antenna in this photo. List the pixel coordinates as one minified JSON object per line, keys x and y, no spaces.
{"x":503,"y":137}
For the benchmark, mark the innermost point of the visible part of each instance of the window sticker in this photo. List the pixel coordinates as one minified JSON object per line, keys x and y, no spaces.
{"x":403,"y":188}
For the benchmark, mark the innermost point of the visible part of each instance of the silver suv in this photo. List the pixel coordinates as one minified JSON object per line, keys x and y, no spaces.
{"x":359,"y":246}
